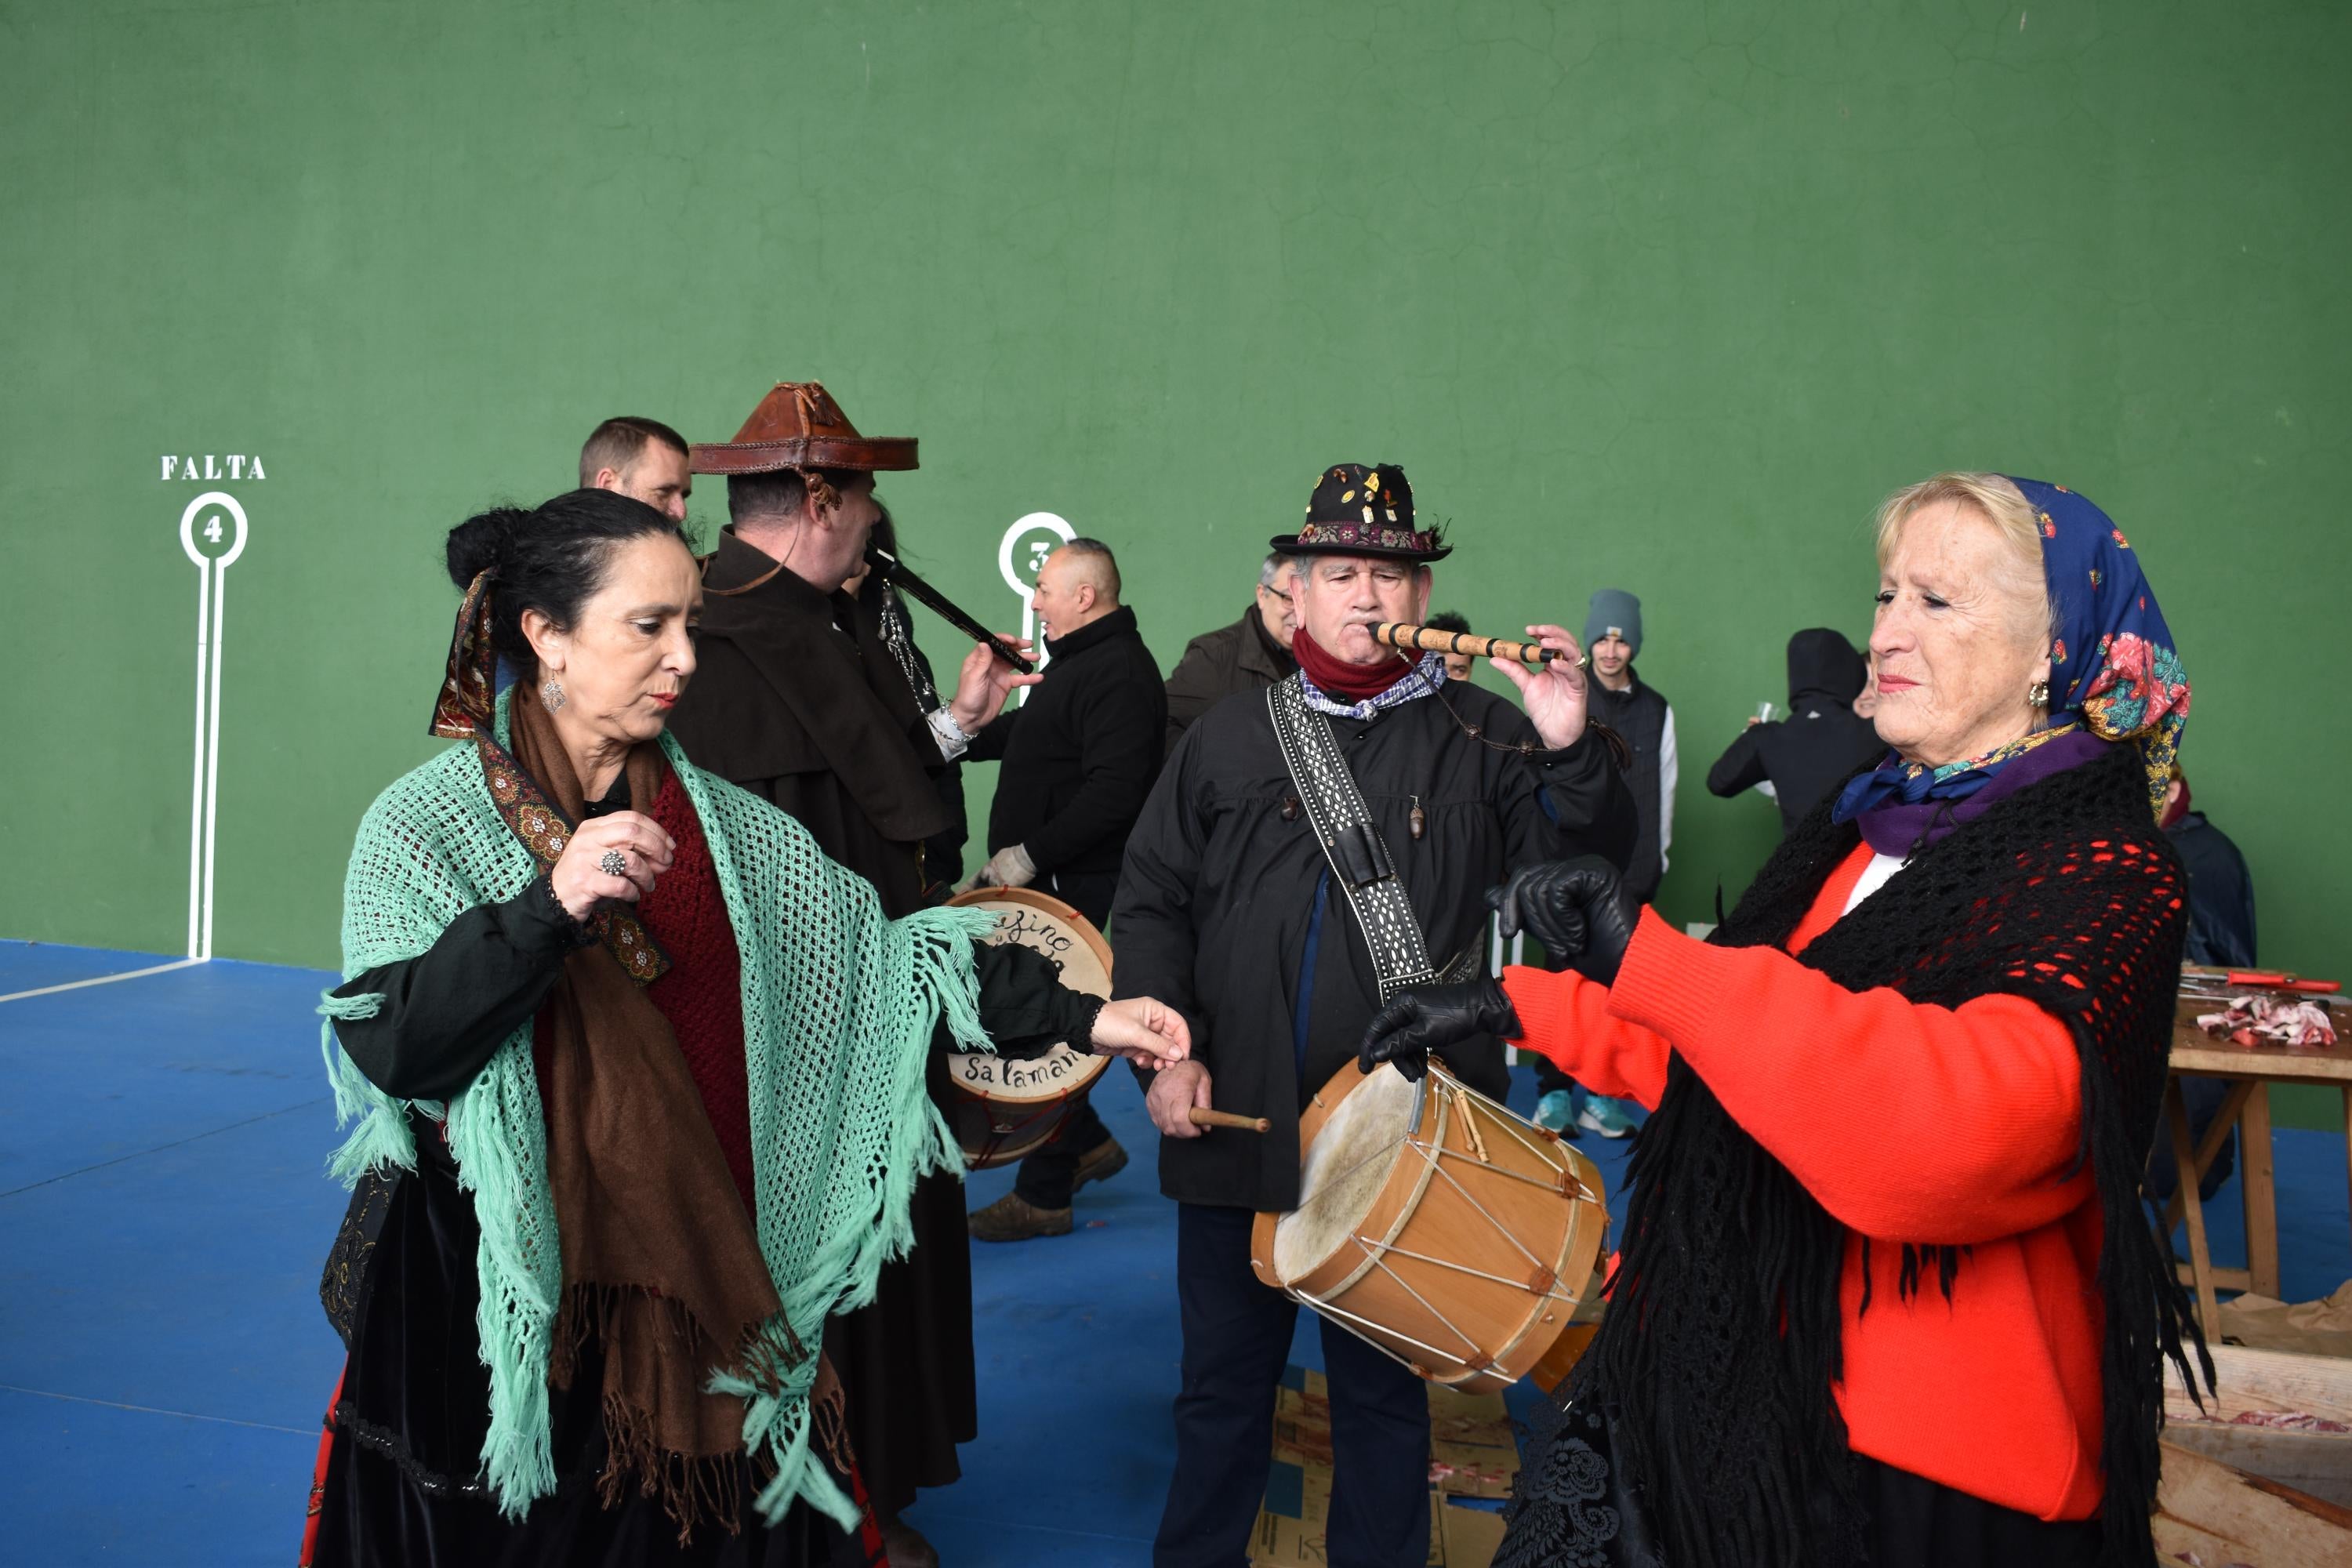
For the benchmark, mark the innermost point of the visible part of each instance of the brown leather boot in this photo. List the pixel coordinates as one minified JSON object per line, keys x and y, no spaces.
{"x":1014,"y":1219}
{"x":1099,"y":1163}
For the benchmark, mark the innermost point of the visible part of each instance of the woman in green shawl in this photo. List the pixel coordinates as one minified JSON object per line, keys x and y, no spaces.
{"x":638,"y":1078}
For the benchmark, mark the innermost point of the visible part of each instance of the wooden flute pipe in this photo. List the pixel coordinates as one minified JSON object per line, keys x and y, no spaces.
{"x":1203,"y":1117}
{"x":1429,"y":639}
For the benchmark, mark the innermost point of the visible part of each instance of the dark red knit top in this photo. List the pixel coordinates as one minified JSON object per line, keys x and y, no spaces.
{"x":702,"y":993}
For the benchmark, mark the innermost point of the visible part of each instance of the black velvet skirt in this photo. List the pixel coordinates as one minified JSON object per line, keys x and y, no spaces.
{"x":398,"y":1485}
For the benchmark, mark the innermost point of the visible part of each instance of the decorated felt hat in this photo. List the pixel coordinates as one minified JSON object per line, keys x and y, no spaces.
{"x":799,"y":426}
{"x":1357,"y":511}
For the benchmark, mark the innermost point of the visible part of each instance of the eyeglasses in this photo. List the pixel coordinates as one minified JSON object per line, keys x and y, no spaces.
{"x":1267,"y":588}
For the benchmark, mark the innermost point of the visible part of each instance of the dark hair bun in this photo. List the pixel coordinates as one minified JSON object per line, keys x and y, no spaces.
{"x":483,"y":540}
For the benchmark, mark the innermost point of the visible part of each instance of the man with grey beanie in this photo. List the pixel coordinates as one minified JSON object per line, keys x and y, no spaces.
{"x":1640,"y":713}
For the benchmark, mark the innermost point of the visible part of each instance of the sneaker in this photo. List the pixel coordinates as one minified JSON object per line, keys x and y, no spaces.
{"x":1556,"y":1112}
{"x":1014,"y":1219}
{"x":1605,"y":1116}
{"x":1099,"y":1163}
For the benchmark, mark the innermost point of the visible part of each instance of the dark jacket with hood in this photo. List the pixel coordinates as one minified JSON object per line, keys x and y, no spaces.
{"x":1239,"y":657}
{"x":1821,"y":741}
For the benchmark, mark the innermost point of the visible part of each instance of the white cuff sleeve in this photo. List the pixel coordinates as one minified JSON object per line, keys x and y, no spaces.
{"x":953,"y":742}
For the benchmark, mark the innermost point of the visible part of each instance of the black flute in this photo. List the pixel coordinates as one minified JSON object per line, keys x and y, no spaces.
{"x":895,"y":572}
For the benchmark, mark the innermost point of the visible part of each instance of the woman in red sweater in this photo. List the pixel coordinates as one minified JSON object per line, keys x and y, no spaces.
{"x":1886,"y":1293}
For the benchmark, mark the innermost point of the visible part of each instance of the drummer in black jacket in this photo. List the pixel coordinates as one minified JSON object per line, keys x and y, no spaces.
{"x":1228,"y":910}
{"x":1079,"y":757}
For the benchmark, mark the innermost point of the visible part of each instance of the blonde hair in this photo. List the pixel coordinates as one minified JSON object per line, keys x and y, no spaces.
{"x":1990,"y":496}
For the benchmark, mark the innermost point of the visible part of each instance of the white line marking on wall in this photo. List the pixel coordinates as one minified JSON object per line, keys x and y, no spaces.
{"x":104,"y":979}
{"x":1022,"y":578}
{"x":203,"y":813}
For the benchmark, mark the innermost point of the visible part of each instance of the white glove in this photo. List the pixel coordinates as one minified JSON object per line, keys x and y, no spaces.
{"x":1008,"y":867}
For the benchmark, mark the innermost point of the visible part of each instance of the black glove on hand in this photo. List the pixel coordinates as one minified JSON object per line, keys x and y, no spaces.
{"x":1577,"y":908}
{"x":1418,"y":1022}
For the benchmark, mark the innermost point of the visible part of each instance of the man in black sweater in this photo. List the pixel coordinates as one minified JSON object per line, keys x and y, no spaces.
{"x":1080,"y":756}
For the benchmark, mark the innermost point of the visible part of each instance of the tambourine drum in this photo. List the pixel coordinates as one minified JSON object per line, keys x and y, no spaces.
{"x":1440,"y":1227}
{"x":1004,"y":1110}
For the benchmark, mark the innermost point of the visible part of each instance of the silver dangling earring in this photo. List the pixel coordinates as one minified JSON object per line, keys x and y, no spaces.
{"x":2036,"y":695}
{"x":551,"y":694}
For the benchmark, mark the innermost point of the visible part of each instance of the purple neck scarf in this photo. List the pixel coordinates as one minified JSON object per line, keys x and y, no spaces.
{"x":1904,"y":828}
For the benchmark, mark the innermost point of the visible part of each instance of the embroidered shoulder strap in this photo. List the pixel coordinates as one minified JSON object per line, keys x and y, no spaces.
{"x":1359,"y":856}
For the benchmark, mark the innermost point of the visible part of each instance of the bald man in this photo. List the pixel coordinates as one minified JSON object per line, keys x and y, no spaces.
{"x":1080,"y":754}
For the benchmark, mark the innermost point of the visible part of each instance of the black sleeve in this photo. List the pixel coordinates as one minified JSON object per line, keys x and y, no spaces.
{"x":1191,"y":690}
{"x":1740,"y":767}
{"x":1121,"y":739}
{"x":988,"y":746}
{"x":1152,"y":911}
{"x":1580,"y":806}
{"x":1023,"y":1005}
{"x":448,"y":1008}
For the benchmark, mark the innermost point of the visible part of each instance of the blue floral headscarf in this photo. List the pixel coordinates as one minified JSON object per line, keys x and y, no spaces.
{"x":2113,"y":669}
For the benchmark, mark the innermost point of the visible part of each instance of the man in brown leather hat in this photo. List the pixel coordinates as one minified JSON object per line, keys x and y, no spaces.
{"x":798,"y":698}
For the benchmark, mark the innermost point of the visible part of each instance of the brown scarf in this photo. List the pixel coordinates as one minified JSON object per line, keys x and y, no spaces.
{"x":661,"y":1261}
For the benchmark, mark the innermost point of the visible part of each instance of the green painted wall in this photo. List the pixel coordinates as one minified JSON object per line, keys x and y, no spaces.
{"x":1656,"y":295}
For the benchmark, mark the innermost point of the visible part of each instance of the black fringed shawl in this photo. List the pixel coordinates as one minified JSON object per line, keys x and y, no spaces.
{"x":1722,"y":1339}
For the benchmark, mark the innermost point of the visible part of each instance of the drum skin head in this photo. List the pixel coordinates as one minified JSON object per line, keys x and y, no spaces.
{"x":1005,"y":1110}
{"x":1343,"y":1172}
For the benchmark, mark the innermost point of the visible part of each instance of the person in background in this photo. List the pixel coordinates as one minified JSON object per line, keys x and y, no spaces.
{"x":1248,"y":656}
{"x":2221,"y":893}
{"x":644,"y":460}
{"x":1800,"y":759}
{"x":1457,"y":664}
{"x":800,"y":701}
{"x":1642,"y":716}
{"x":2221,"y":933}
{"x":942,"y":852}
{"x":1080,"y":756}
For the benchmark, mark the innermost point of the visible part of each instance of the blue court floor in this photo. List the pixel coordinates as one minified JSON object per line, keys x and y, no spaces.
{"x":164,"y":1363}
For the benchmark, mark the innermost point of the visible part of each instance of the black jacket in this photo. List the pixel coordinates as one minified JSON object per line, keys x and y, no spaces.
{"x":1821,"y":741}
{"x":1081,"y":752}
{"x":1638,"y":714}
{"x":2221,"y":893}
{"x":1223,"y":879}
{"x":1238,"y":657}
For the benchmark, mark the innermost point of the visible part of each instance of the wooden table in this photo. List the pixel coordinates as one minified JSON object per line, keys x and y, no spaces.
{"x":2250,"y":1073}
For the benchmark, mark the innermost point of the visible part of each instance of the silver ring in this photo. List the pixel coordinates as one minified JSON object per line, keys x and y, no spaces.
{"x":613,"y":863}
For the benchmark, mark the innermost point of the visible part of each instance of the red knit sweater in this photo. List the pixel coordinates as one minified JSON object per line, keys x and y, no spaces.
{"x":1909,"y":1123}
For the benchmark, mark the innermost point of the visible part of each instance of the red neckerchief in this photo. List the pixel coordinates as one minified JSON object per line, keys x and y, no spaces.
{"x":1355,"y":682}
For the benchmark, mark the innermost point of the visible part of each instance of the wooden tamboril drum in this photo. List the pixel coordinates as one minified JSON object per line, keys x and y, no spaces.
{"x":1435,"y":1224}
{"x":1004,"y":1110}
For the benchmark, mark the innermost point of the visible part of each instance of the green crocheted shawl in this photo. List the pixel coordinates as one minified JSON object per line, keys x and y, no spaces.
{"x":839,"y":1006}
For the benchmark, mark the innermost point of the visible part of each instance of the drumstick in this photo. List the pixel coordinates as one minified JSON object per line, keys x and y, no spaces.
{"x":1429,"y":639}
{"x":1203,"y":1117}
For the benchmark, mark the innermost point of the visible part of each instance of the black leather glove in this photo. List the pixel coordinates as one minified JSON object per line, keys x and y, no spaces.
{"x":1416,"y":1022}
{"x":1577,"y":908}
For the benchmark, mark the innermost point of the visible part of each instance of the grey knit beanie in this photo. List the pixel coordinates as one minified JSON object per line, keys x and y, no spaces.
{"x":1613,"y":609}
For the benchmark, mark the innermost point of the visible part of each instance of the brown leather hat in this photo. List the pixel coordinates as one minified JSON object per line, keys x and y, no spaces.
{"x":799,"y":426}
